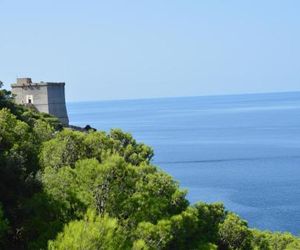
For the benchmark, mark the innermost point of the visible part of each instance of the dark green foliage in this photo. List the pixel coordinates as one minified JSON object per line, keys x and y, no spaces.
{"x":264,"y":240}
{"x":31,"y":116}
{"x":43,"y":218}
{"x":234,"y":233}
{"x":18,"y":165}
{"x":20,"y":142}
{"x":64,"y":150}
{"x":6,"y":99}
{"x":115,"y":187}
{"x":70,"y":146}
{"x":4,"y":226}
{"x":124,"y":145}
{"x":209,"y":218}
{"x":64,"y":189}
{"x":174,"y":233}
{"x":193,"y":228}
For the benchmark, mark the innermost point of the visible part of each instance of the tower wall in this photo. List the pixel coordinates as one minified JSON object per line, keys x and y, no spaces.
{"x":56,"y":101}
{"x":38,"y":92}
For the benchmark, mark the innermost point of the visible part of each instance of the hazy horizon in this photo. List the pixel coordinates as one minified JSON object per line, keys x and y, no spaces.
{"x":186,"y":96}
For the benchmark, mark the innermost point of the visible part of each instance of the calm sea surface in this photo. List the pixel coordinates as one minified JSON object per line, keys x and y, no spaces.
{"x":243,"y":150}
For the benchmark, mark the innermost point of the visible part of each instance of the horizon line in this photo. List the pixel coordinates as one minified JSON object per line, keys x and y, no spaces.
{"x":188,"y":96}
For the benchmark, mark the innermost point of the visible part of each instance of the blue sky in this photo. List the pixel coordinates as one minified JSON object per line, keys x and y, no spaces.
{"x":155,"y":48}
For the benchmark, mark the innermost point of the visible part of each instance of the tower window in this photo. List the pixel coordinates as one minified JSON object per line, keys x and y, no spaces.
{"x":29,"y":99}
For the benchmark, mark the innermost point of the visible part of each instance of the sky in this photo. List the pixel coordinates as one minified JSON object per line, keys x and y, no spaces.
{"x":118,"y":49}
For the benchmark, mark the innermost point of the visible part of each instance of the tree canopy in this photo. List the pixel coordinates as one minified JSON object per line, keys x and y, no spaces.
{"x":65,"y":189}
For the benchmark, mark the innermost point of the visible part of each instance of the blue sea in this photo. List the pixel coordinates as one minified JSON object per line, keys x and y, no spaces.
{"x":242,"y":150}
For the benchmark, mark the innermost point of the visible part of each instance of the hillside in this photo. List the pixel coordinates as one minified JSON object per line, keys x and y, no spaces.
{"x":66,"y":189}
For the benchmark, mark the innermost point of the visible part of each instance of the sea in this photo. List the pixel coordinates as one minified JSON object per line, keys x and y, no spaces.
{"x":242,"y":150}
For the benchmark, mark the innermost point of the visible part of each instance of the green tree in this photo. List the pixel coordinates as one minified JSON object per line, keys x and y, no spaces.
{"x":18,"y":165}
{"x":209,"y":218}
{"x":64,"y":150}
{"x":100,"y":191}
{"x":153,"y":236}
{"x":70,"y":146}
{"x":260,"y":240}
{"x":234,"y":233}
{"x":62,"y":186}
{"x":117,"y":188}
{"x":293,"y":245}
{"x":93,"y":232}
{"x":43,"y":219}
{"x":175,"y":232}
{"x":264,"y":240}
{"x":279,"y":241}
{"x":126,"y":146}
{"x":43,"y":131}
{"x":19,"y":147}
{"x":6,"y":99}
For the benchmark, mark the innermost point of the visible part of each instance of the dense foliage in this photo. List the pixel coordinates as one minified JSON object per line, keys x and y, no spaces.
{"x":65,"y":189}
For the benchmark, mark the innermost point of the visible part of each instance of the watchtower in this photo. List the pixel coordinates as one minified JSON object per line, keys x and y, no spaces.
{"x":47,"y":97}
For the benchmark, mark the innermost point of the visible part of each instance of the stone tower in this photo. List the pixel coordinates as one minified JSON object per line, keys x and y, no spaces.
{"x":47,"y":97}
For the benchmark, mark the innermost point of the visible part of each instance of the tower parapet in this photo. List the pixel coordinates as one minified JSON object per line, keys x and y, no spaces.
{"x":25,"y":81}
{"x":47,"y":97}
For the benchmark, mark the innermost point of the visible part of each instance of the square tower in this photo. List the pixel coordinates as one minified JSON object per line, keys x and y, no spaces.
{"x":47,"y":97}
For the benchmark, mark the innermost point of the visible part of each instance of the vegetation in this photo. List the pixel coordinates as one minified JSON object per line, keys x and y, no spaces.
{"x":64,"y":189}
